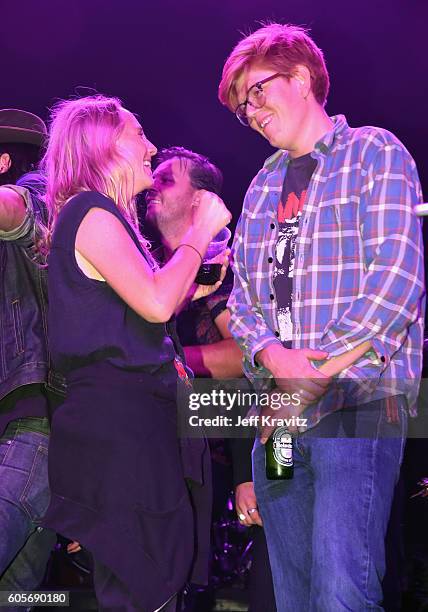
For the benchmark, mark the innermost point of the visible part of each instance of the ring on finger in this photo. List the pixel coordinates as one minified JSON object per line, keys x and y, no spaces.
{"x":241,"y":516}
{"x":303,"y":395}
{"x":251,"y":510}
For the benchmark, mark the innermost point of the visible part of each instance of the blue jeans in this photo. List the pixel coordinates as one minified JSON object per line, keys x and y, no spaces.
{"x":325,"y":528}
{"x":24,"y":496}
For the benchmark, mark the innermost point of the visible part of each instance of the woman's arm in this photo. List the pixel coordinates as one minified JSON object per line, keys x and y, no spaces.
{"x":103,"y":241}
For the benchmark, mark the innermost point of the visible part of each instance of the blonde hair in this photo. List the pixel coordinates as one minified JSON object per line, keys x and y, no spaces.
{"x":282,"y":47}
{"x":82,"y":156}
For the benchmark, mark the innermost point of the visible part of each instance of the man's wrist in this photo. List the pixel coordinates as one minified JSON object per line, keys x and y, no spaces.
{"x":270,"y":356}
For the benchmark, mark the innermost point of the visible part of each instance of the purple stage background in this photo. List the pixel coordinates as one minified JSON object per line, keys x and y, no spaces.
{"x":164,"y":59}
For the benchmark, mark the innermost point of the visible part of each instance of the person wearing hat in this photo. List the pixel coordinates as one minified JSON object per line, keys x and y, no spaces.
{"x":24,"y":427}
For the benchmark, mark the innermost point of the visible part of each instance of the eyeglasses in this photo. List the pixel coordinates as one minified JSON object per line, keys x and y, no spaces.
{"x":256,"y":97}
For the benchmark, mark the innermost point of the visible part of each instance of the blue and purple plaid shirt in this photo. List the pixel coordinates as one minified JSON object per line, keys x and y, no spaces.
{"x":359,"y":265}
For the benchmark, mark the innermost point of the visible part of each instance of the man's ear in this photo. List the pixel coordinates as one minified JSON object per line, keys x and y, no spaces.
{"x":5,"y":163}
{"x":303,"y":76}
{"x":197,"y":196}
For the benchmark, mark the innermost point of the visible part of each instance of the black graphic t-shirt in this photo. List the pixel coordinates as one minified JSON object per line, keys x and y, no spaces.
{"x":290,"y":208}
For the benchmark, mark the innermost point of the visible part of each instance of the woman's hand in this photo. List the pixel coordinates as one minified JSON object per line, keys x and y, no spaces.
{"x":209,"y":213}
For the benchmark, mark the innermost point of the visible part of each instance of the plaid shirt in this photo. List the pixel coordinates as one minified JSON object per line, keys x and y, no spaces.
{"x":358,"y":271}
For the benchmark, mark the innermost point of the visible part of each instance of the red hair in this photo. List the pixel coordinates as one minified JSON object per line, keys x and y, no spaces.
{"x":282,"y":47}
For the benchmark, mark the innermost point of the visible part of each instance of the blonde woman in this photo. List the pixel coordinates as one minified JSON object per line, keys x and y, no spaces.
{"x":117,"y":473}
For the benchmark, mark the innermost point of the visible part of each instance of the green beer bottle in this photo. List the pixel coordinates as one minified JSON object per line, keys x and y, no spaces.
{"x":279,"y":455}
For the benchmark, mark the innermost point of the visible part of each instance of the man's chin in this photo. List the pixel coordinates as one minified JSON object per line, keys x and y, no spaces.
{"x":274,"y":141}
{"x":157,"y":222}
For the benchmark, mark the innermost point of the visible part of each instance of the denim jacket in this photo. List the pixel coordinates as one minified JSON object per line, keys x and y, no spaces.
{"x":23,"y":297}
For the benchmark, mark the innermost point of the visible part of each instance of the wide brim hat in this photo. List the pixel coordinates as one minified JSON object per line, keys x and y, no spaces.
{"x":21,"y":126}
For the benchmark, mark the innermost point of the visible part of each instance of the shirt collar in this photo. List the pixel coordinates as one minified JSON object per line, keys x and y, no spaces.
{"x":322,"y":146}
{"x":326,"y":143}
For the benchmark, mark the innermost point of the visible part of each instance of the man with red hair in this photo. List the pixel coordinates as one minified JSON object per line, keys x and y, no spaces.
{"x":328,"y":265}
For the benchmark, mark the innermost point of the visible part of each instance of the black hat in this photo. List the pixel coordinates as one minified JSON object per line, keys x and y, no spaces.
{"x":20,"y":126}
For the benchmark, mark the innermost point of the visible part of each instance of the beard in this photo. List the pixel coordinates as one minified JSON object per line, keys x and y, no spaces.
{"x":168,"y":222}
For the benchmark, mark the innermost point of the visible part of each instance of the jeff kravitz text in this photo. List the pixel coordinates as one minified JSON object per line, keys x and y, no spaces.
{"x":249,"y":421}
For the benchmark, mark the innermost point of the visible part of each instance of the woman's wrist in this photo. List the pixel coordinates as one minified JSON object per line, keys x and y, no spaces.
{"x":190,"y":246}
{"x":197,"y":239}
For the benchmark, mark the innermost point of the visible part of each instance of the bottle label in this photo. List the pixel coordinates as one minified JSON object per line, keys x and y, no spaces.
{"x":283,"y":446}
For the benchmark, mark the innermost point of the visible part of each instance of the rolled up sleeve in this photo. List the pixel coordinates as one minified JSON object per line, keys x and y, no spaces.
{"x":25,"y":229}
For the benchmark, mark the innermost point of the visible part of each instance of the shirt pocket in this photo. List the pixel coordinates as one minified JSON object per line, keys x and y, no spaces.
{"x":257,"y":237}
{"x":338,"y":234}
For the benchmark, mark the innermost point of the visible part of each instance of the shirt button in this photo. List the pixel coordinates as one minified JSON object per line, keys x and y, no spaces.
{"x":270,"y":259}
{"x":277,"y":334}
{"x":272,"y":297}
{"x":272,"y":226}
{"x":383,"y":359}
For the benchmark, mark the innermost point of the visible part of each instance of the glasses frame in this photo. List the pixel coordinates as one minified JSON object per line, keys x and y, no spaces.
{"x":242,"y":118}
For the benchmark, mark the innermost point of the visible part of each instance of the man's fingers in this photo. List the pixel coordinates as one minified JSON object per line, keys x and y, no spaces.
{"x":249,"y":516}
{"x":321,"y":380}
{"x":254,"y":516}
{"x":306,"y":397}
{"x":314,"y":386}
{"x":315,"y":354}
{"x":313,"y":382}
{"x":243,"y":518}
{"x":265,"y":433}
{"x":310,"y":389}
{"x":73,"y":547}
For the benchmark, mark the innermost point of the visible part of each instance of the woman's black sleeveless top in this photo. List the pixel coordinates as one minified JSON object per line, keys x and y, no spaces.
{"x":88,"y":322}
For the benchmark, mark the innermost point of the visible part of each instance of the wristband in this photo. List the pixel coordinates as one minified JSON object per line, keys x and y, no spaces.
{"x":190,"y":246}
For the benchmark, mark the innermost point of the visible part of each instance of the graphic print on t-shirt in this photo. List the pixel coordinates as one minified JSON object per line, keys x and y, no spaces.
{"x":293,"y":207}
{"x":288,"y":218}
{"x":289,"y":212}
